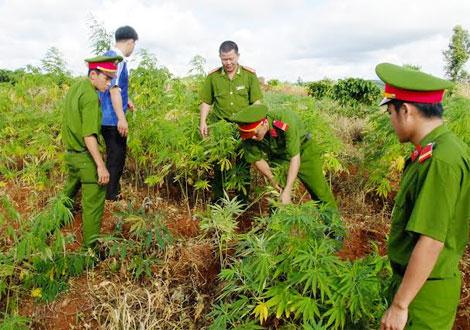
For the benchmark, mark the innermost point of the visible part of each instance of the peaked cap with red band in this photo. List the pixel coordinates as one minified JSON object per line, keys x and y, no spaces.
{"x":249,"y":119}
{"x":406,"y":84}
{"x":105,"y":64}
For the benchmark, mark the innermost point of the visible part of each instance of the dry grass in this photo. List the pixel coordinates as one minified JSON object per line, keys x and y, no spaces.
{"x":463,"y":89}
{"x":130,"y":306}
{"x":177,"y":297}
{"x":286,"y":89}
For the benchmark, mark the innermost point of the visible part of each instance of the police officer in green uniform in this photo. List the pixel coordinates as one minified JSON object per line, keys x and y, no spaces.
{"x":80,"y":131}
{"x":279,"y":136}
{"x":228,"y":89}
{"x":430,"y":220}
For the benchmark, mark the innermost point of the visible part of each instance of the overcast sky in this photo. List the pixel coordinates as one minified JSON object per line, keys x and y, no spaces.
{"x":281,"y":39}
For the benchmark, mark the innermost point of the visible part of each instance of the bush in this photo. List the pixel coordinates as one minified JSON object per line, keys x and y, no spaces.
{"x":320,"y":89}
{"x":356,"y":91}
{"x":274,"y":82}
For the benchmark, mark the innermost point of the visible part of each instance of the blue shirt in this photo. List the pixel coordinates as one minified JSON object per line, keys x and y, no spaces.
{"x":121,"y":81}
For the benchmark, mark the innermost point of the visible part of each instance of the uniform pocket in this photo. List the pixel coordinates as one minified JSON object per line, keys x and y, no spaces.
{"x":88,"y":173}
{"x":242,"y":92}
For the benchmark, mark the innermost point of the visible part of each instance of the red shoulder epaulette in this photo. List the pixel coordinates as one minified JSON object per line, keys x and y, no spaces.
{"x":214,"y":70}
{"x":426,"y":152}
{"x":249,"y":69}
{"x":281,"y":125}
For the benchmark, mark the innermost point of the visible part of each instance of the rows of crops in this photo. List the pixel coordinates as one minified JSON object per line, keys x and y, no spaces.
{"x":167,"y":259}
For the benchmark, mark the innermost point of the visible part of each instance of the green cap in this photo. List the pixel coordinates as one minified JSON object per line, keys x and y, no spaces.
{"x":105,"y":64}
{"x":411,"y":85}
{"x":102,"y":58}
{"x":250,"y":114}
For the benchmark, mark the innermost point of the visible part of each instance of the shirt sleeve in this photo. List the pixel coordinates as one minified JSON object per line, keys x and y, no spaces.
{"x":434,"y":208}
{"x":90,"y":115}
{"x":292,"y":137}
{"x":255,"y":89}
{"x":115,"y":81}
{"x":252,"y":152}
{"x":207,"y":91}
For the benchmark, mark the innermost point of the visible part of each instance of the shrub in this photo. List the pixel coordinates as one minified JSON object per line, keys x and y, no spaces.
{"x":320,"y":89}
{"x":274,"y":82}
{"x":355,"y":91}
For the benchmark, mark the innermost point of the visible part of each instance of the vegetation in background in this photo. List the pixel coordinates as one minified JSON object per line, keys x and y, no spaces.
{"x":100,"y":38}
{"x":457,"y":55}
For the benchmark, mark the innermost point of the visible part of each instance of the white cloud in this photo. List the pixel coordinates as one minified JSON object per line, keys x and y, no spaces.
{"x":280,"y":39}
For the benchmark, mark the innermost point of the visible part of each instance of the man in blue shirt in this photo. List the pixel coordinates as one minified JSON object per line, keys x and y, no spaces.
{"x":114,"y":104}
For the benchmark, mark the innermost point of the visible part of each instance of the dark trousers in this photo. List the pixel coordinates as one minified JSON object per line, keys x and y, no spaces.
{"x":116,"y":146}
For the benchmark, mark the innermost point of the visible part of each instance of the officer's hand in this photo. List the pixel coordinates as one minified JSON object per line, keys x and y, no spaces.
{"x":130,"y":106}
{"x":203,"y":129}
{"x":285,"y":197}
{"x":394,"y":318}
{"x":122,"y":127}
{"x":103,"y":175}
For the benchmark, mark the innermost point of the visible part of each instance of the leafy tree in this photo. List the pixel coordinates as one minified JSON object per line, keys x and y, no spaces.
{"x":457,"y":54}
{"x":100,"y":38}
{"x":197,"y":64}
{"x":54,"y":62}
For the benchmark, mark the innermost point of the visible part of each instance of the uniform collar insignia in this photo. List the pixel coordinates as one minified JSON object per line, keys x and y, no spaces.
{"x":281,"y":125}
{"x":273,"y":133}
{"x":422,"y":153}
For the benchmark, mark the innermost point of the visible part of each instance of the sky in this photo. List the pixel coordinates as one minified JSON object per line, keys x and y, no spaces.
{"x":280,"y":39}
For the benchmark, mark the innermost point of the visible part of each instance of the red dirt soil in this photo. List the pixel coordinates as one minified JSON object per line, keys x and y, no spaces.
{"x":197,"y":261}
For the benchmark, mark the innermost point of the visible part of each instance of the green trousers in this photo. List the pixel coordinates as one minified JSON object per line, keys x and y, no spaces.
{"x":82,"y":174}
{"x":435,"y":305}
{"x":311,"y":175}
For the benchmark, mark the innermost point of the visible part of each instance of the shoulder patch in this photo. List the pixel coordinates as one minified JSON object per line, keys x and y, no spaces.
{"x":426,"y":152}
{"x":214,"y":70}
{"x":249,"y":69}
{"x":281,"y":125}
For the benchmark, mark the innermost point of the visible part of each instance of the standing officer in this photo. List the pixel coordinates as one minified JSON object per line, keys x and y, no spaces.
{"x":430,"y":220}
{"x":80,"y":131}
{"x":279,"y":136}
{"x":228,"y":89}
{"x":114,"y":104}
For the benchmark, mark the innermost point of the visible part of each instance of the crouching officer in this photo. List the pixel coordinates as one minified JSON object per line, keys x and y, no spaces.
{"x":278,"y":136}
{"x":80,"y":131}
{"x":430,"y":220}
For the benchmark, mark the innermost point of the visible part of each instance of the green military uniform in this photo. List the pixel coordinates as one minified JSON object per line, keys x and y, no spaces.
{"x":82,"y":118}
{"x":228,"y":96}
{"x":433,"y":201}
{"x":286,"y":138}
